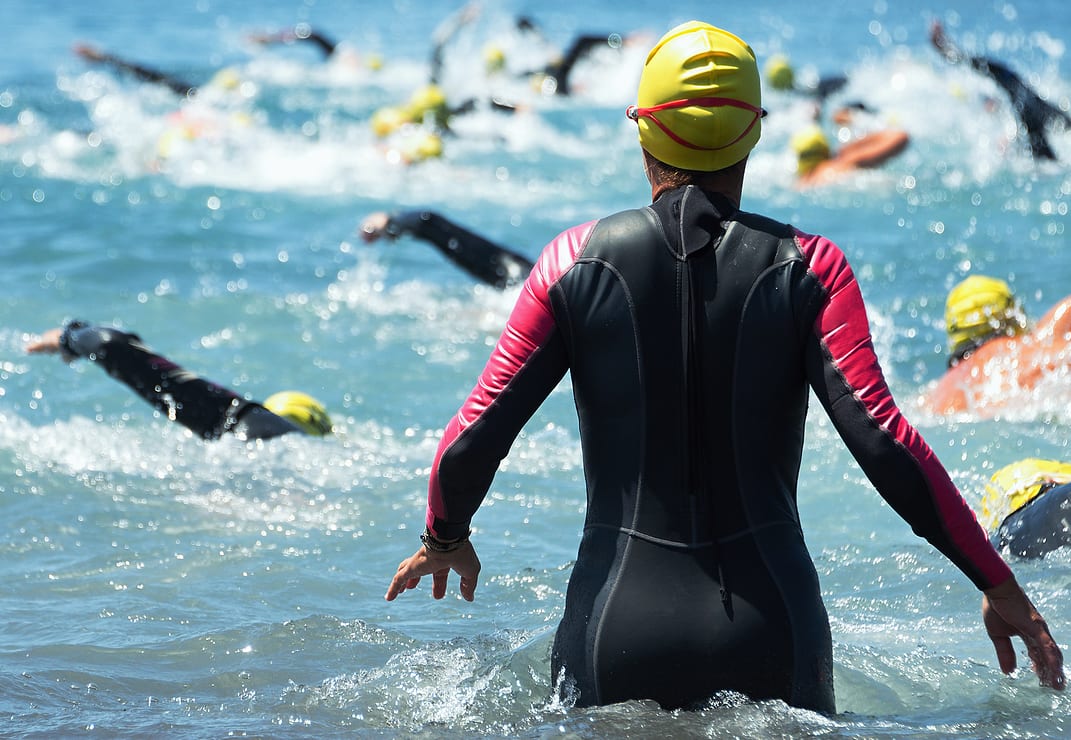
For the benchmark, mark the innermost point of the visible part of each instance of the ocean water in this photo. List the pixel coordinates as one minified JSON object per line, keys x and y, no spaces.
{"x":158,"y":585}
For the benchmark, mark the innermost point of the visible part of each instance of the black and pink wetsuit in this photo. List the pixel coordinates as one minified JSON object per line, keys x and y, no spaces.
{"x":694,"y":334}
{"x":205,"y":408}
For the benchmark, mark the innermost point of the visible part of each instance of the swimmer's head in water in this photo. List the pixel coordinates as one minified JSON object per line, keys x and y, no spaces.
{"x":301,"y":409}
{"x":978,"y":309}
{"x":227,"y":79}
{"x":1015,"y":485}
{"x":779,"y":73}
{"x":494,"y":59}
{"x":811,"y":147}
{"x":387,"y":120}
{"x":699,"y":102}
{"x":426,"y":100}
{"x":424,"y":145}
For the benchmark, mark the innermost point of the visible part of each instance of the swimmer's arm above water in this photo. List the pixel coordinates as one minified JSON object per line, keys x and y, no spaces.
{"x":48,"y":344}
{"x":481,"y":258}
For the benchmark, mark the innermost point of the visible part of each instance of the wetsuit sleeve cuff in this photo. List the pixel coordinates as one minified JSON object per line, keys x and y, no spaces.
{"x":65,"y":337}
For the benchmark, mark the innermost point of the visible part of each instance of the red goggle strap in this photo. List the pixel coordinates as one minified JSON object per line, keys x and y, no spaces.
{"x":635,"y":113}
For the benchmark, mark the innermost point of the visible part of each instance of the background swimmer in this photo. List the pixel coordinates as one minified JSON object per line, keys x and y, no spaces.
{"x":205,"y":408}
{"x":994,"y":355}
{"x":1027,"y":507}
{"x":481,"y":258}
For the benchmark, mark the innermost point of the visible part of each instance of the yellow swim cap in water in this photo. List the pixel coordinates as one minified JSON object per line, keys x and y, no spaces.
{"x":811,"y":147}
{"x":1014,"y":486}
{"x":779,"y":73}
{"x":699,"y":102}
{"x":494,"y":59}
{"x":386,"y":121}
{"x":428,"y":99}
{"x":301,"y":409}
{"x":226,"y":79}
{"x":979,"y":308}
{"x":424,"y":146}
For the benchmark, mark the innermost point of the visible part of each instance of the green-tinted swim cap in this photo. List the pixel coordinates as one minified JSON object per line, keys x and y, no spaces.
{"x":301,"y":409}
{"x":779,"y":73}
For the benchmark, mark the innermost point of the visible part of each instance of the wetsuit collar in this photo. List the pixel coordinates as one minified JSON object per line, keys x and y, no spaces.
{"x":692,"y":218}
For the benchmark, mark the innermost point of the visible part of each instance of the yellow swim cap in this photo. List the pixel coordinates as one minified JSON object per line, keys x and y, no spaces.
{"x":978,"y":308}
{"x":428,"y":99}
{"x":226,"y":79}
{"x":1014,"y":486}
{"x":811,"y":147}
{"x":494,"y":59}
{"x":301,"y":409}
{"x":424,"y":146}
{"x":387,"y":120}
{"x":699,"y":104}
{"x":779,"y":73}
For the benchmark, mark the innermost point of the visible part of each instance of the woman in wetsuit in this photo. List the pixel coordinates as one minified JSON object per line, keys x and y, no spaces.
{"x":694,"y":333}
{"x":481,"y":258}
{"x":206,"y":409}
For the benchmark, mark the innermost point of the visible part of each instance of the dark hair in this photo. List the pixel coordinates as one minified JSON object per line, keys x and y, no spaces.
{"x":675,"y":177}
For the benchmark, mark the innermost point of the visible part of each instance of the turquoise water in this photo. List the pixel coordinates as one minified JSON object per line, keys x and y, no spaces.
{"x":155,"y":584}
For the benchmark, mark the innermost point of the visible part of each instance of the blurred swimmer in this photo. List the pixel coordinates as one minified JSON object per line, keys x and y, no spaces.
{"x":817,"y":164}
{"x":992,"y":352}
{"x":226,"y":79}
{"x":1027,"y":507}
{"x":553,"y":77}
{"x":484,"y":260}
{"x":206,"y":409}
{"x":329,"y":49}
{"x":1034,"y":114}
{"x":780,"y":75}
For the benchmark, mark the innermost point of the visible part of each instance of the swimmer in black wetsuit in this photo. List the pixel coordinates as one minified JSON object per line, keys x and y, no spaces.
{"x":1034,"y":113}
{"x":694,"y":334}
{"x":1027,"y":507}
{"x":301,"y":33}
{"x":554,"y":77}
{"x":224,"y":79}
{"x":780,"y":75}
{"x":206,"y":409}
{"x":176,"y":84}
{"x":1039,"y":527}
{"x":482,"y":259}
{"x":342,"y":55}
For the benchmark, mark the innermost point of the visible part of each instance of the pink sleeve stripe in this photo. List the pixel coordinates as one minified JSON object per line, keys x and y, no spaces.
{"x":849,"y":343}
{"x":529,"y":325}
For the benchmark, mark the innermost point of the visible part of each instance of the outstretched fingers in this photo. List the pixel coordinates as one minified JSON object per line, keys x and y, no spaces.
{"x":1007,"y":612}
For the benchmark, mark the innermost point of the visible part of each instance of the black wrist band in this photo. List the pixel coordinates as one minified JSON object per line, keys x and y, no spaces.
{"x":65,"y":336}
{"x":433,"y":544}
